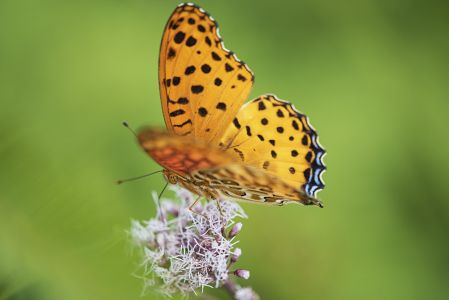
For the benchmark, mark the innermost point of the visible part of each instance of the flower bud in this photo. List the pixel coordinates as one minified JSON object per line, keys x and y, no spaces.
{"x":235,"y":229}
{"x":242,"y":273}
{"x":236,"y":255}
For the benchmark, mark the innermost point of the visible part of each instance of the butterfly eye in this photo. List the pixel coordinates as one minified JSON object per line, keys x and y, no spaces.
{"x":171,"y":177}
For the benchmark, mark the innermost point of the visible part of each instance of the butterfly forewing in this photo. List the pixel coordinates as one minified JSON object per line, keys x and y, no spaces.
{"x":181,"y":155}
{"x":202,"y":84}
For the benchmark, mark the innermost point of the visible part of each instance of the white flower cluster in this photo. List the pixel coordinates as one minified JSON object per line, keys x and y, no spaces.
{"x":184,"y":250}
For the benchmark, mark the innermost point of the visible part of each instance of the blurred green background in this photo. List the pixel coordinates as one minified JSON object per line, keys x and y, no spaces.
{"x":372,"y":75}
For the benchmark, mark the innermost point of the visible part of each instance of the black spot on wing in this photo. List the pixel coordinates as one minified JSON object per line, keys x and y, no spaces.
{"x":191,"y":41}
{"x":208,"y":41}
{"x":241,"y":77}
{"x":228,"y":68}
{"x":177,"y":112}
{"x":307,"y":174}
{"x":176,"y":80}
{"x":189,"y":70}
{"x":215,"y":56}
{"x":183,"y":100}
{"x":202,"y":111}
{"x":201,"y":28}
{"x":183,"y":124}
{"x":236,"y":123}
{"x":206,"y":68}
{"x":305,"y":140}
{"x":248,"y":130}
{"x":179,"y":37}
{"x":309,"y":156}
{"x":196,"y":89}
{"x":240,"y":153}
{"x":266,"y":164}
{"x":221,"y":106}
{"x":295,"y":125}
{"x":171,"y":53}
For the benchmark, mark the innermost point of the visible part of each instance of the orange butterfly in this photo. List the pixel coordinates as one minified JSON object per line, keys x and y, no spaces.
{"x":264,"y":151}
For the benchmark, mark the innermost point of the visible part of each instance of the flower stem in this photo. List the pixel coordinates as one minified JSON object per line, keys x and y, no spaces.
{"x":231,"y":288}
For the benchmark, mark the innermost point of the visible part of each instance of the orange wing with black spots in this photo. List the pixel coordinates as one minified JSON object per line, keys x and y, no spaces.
{"x":272,"y":135}
{"x":181,"y":155}
{"x":202,"y":84}
{"x":265,"y":151}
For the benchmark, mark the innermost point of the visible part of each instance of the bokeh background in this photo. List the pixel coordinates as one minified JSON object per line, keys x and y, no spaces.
{"x":372,"y":75}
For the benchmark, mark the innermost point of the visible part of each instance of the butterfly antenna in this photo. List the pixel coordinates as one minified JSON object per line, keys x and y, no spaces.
{"x":136,"y":178}
{"x":124,"y":123}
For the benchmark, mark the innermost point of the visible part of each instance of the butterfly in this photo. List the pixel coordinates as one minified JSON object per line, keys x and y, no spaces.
{"x":264,"y":151}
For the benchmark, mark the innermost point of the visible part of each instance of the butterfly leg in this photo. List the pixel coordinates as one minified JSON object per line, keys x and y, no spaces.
{"x":221,"y":212}
{"x":160,"y":195}
{"x":163,"y":190}
{"x":193,"y":205}
{"x":219,"y":207}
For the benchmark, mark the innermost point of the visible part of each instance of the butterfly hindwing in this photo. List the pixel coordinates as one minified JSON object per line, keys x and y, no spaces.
{"x":202,"y":84}
{"x":272,"y":135}
{"x":252,"y":184}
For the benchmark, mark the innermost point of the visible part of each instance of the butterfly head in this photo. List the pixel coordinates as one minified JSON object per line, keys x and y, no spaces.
{"x":171,"y":177}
